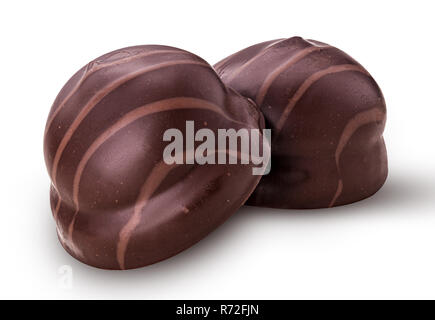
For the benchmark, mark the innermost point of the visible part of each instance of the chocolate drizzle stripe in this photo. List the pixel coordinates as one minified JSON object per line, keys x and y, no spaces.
{"x":359,"y":120}
{"x":93,"y":67}
{"x":281,"y":68}
{"x":140,"y":112}
{"x":307,"y":84}
{"x":56,"y":209}
{"x":220,"y":63}
{"x":247,"y":63}
{"x":155,"y":178}
{"x":337,"y":193}
{"x":100,"y":95}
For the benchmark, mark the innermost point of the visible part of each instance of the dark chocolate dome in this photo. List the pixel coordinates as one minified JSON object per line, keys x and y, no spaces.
{"x":327,"y":116}
{"x":116,"y":203}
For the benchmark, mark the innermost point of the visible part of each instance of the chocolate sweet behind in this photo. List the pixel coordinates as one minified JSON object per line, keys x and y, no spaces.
{"x":327,"y":116}
{"x":116,"y":203}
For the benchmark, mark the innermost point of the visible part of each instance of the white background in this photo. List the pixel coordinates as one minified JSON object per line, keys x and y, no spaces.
{"x":382,"y":247}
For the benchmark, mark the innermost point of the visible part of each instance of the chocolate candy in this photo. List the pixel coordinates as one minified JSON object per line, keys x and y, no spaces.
{"x":116,"y":203}
{"x":327,"y":116}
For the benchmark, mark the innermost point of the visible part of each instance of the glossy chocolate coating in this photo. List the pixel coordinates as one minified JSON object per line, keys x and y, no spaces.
{"x":327,"y":116}
{"x":116,"y":204}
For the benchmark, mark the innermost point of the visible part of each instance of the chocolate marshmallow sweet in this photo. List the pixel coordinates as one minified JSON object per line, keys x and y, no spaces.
{"x":117,"y":204}
{"x":327,"y":116}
